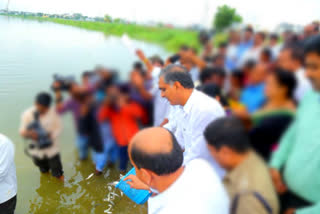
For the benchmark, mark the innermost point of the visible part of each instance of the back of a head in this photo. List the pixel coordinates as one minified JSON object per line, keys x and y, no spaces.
{"x":214,"y":91}
{"x":156,"y":59}
{"x":157,"y":150}
{"x":267,"y":53}
{"x":287,"y":79}
{"x":274,"y":37}
{"x":296,"y":51}
{"x":177,"y":73}
{"x":44,"y":99}
{"x":228,"y":132}
{"x":312,"y":45}
{"x":208,"y":72}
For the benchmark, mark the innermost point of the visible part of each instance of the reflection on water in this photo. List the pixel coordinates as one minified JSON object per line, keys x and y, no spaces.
{"x":30,"y":53}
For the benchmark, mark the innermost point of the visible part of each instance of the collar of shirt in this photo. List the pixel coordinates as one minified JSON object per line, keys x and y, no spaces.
{"x":188,"y":106}
{"x":233,"y":176}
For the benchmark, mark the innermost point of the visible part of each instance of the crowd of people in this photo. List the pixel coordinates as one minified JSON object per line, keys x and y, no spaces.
{"x":233,"y":127}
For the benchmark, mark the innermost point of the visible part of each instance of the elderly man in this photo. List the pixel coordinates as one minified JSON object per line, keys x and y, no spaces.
{"x":8,"y":178}
{"x":191,"y":112}
{"x":195,"y":188}
{"x":298,"y":155}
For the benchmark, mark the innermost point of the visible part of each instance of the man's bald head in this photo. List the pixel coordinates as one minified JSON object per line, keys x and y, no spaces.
{"x":157,"y":150}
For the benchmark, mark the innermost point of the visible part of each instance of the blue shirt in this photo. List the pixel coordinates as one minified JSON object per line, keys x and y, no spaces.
{"x":253,"y":97}
{"x":242,"y":48}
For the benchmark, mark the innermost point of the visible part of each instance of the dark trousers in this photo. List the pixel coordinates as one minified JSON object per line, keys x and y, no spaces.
{"x":123,"y":155}
{"x":290,"y":200}
{"x":9,"y":206}
{"x":47,"y":164}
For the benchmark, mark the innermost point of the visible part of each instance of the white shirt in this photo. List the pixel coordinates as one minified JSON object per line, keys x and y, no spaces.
{"x":194,"y":72}
{"x":197,"y":190}
{"x":188,"y":123}
{"x":160,"y":105}
{"x":51,"y":122}
{"x":251,"y":54}
{"x":276,"y":50}
{"x":8,"y":178}
{"x":303,"y":84}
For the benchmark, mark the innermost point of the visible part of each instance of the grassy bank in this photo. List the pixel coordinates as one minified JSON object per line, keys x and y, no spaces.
{"x":170,"y":39}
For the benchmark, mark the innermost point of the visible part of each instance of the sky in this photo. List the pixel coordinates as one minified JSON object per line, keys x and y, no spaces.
{"x":263,"y":13}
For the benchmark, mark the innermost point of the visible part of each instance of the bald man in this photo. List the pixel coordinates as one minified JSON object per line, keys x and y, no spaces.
{"x":194,"y":188}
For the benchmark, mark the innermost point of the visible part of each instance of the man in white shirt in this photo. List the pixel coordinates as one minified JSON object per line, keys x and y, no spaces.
{"x":45,"y":156}
{"x":8,"y":178}
{"x":291,"y":59}
{"x":194,"y":188}
{"x":191,"y":112}
{"x":254,"y":52}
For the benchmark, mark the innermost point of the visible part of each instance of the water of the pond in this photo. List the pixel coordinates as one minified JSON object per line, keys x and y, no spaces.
{"x":30,"y":53}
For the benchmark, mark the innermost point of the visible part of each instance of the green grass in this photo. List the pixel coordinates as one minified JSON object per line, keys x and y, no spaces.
{"x":170,"y":39}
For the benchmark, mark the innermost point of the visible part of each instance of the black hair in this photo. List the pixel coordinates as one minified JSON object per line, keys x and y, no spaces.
{"x":177,"y":73}
{"x":138,"y":66}
{"x":250,"y":64}
{"x":296,"y":51}
{"x":229,"y":132}
{"x":208,"y":72}
{"x":124,"y":88}
{"x":267,"y":52}
{"x":262,"y":34}
{"x":274,"y":36}
{"x":161,"y":163}
{"x":213,"y":90}
{"x":184,"y":47}
{"x":44,"y":99}
{"x":249,"y":29}
{"x":156,"y":59}
{"x":238,"y":74}
{"x":223,"y":45}
{"x":86,"y":74}
{"x":287,"y":79}
{"x":312,"y":45}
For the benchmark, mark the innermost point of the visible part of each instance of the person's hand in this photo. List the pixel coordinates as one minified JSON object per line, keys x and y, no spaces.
{"x":164,"y":122}
{"x":137,"y":80}
{"x":56,"y":84}
{"x":140,"y":54}
{"x":136,"y":183}
{"x":277,"y":181}
{"x":290,"y":211}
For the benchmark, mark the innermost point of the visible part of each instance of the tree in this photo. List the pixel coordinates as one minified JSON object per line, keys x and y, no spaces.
{"x":225,"y":17}
{"x":107,"y":18}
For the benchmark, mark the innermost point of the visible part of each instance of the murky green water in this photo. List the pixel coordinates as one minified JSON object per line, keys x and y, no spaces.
{"x":30,"y":52}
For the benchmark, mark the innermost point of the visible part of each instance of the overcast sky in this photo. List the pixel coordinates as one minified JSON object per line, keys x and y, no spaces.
{"x":265,"y":13}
